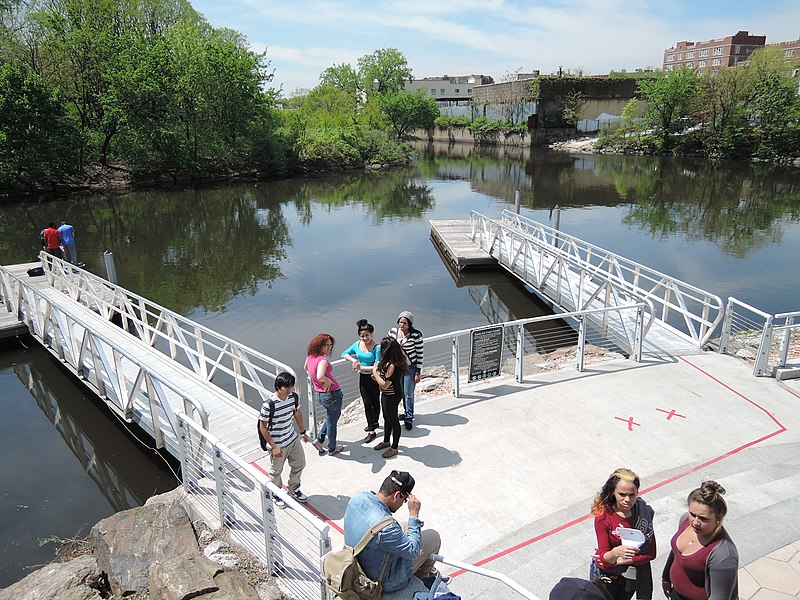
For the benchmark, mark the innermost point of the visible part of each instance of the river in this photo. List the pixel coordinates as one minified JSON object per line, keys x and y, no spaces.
{"x":273,"y":263}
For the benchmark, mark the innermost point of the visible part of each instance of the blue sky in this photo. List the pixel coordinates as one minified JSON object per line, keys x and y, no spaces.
{"x":491,"y":37}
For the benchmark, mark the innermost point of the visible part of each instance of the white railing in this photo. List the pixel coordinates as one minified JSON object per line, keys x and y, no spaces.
{"x":769,"y":338}
{"x":690,"y":310}
{"x":529,"y":346}
{"x":243,"y":372}
{"x":291,"y":542}
{"x":488,"y":573}
{"x":116,"y":373}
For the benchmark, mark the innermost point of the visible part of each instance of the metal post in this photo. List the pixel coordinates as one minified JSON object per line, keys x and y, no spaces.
{"x":581,"y":343}
{"x":556,"y":218}
{"x":760,"y":368}
{"x":520,"y":352}
{"x":638,"y":335}
{"x":783,"y":351}
{"x":219,"y":480}
{"x":312,"y":410}
{"x":724,"y":338}
{"x":110,"y":268}
{"x":517,"y":201}
{"x":454,"y":367}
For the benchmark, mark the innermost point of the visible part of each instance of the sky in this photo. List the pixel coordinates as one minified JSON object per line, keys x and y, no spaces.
{"x":488,"y":37}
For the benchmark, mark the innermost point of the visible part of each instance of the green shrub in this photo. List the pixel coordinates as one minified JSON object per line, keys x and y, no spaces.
{"x":448,"y":121}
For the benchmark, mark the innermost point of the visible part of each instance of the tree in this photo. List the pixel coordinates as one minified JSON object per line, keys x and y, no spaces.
{"x":384,"y":71}
{"x":668,"y":99}
{"x":343,"y":77}
{"x":406,"y":111}
{"x":38,"y":142}
{"x":327,"y":106}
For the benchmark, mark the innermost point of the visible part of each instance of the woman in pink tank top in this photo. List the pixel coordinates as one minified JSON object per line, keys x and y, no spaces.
{"x":326,"y":391}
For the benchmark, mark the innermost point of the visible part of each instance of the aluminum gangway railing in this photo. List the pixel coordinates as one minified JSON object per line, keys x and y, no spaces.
{"x":125,"y":375}
{"x":773,"y":339}
{"x":680,"y":307}
{"x":237,"y":369}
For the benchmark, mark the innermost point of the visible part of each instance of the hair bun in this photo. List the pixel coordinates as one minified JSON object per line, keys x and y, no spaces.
{"x":361,"y":322}
{"x":712,"y":487}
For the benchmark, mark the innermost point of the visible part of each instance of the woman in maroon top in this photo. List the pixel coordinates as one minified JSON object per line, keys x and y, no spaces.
{"x":703,"y":563}
{"x":623,"y":569}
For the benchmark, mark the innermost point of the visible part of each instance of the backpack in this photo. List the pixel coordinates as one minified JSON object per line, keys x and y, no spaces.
{"x":261,"y":439}
{"x":345,"y":577}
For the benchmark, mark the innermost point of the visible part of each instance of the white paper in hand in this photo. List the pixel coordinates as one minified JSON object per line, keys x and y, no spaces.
{"x":631,"y":538}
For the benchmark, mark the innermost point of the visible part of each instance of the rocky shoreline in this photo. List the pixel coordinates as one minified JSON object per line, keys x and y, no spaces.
{"x":154,"y":552}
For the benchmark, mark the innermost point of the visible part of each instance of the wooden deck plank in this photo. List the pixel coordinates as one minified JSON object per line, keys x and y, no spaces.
{"x":452,"y":238}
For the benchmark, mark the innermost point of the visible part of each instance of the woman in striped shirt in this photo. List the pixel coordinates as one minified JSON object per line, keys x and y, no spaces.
{"x":412,"y":343}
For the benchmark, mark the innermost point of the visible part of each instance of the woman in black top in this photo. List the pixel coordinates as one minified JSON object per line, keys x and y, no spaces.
{"x":389,"y":374}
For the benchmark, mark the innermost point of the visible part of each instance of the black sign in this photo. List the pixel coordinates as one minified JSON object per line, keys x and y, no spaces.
{"x":485,"y":353}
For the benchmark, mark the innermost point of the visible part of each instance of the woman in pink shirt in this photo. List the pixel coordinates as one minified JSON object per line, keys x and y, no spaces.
{"x":326,"y":390}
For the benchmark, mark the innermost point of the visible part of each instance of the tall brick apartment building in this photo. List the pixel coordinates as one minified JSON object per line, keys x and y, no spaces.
{"x":713,"y":54}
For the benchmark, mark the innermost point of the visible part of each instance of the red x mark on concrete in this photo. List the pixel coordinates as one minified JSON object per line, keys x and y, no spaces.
{"x":629,"y":421}
{"x":670,"y":413}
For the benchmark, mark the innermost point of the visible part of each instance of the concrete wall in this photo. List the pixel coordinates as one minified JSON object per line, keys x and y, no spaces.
{"x":462,"y":135}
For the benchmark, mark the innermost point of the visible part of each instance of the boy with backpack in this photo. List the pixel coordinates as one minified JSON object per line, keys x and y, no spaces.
{"x":279,"y":436}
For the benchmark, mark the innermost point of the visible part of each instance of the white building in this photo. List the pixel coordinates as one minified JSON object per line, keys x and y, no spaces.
{"x":448,"y":91}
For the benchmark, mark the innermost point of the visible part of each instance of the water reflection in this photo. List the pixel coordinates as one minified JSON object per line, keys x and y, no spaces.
{"x":740,"y":207}
{"x":67,"y":463}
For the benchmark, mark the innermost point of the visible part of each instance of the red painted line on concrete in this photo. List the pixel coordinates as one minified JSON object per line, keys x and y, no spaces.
{"x":307,"y":504}
{"x":629,"y":421}
{"x":670,"y":413}
{"x":694,"y":469}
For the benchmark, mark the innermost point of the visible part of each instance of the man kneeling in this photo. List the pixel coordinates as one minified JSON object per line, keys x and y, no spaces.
{"x":407,"y":551}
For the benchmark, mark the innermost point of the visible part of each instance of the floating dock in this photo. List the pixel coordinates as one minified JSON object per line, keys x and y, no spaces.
{"x":10,"y":325}
{"x":453,"y":239}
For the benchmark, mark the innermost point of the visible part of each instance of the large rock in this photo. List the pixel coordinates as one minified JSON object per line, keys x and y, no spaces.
{"x":181,"y":578}
{"x":78,"y":579}
{"x":128,"y":543}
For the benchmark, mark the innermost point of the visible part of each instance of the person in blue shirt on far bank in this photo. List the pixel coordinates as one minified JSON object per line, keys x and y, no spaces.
{"x":406,"y":551}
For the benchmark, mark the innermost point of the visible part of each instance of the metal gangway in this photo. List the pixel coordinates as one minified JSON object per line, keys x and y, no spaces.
{"x":576,"y":275}
{"x":146,"y":362}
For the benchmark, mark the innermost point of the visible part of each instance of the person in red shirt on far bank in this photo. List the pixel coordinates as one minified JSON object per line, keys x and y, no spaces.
{"x":52,"y":239}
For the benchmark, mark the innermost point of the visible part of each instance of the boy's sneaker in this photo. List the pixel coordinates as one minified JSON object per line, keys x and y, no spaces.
{"x":279,"y":503}
{"x":299,"y":496}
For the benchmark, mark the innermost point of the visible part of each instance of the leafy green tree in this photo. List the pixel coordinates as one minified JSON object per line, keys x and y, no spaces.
{"x":668,"y":99}
{"x":406,"y":111}
{"x":384,"y":71}
{"x":343,"y":77}
{"x":327,"y":106}
{"x":38,"y":142}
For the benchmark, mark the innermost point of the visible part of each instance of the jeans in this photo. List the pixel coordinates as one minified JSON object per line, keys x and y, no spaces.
{"x":619,"y":588}
{"x":332,"y":401}
{"x":409,"y":383}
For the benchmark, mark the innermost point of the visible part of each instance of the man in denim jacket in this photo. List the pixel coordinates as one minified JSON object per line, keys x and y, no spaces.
{"x":408,"y":549}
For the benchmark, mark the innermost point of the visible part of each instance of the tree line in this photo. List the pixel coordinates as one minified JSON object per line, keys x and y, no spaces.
{"x":748,"y":111}
{"x":151,"y":87}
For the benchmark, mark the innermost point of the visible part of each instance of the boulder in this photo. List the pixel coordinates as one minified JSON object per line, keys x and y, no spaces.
{"x":78,"y":579}
{"x":127,"y":543}
{"x":179,"y":578}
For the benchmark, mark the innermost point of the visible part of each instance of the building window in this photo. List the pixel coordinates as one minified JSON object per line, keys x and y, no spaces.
{"x":690,"y":54}
{"x":718,"y":51}
{"x":702,"y":63}
{"x":715,"y":62}
{"x":690,"y":64}
{"x":680,"y":55}
{"x":458,"y":91}
{"x":670,"y":57}
{"x":469,"y":90}
{"x":788,"y":53}
{"x":703,"y":52}
{"x":442,"y":91}
{"x":737,"y":49}
{"x":433,"y":91}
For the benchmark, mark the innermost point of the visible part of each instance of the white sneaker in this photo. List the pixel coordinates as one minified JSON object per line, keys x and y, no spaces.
{"x":279,"y":503}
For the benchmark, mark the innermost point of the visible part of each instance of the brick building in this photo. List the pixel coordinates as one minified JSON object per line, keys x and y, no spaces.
{"x":713,"y":55}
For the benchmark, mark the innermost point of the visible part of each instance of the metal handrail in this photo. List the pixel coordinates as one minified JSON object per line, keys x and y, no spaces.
{"x":670,"y":293}
{"x":207,"y":351}
{"x":486,"y":573}
{"x":37,"y":330}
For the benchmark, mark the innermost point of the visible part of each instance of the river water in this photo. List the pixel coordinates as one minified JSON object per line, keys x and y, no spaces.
{"x":273,"y":263}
